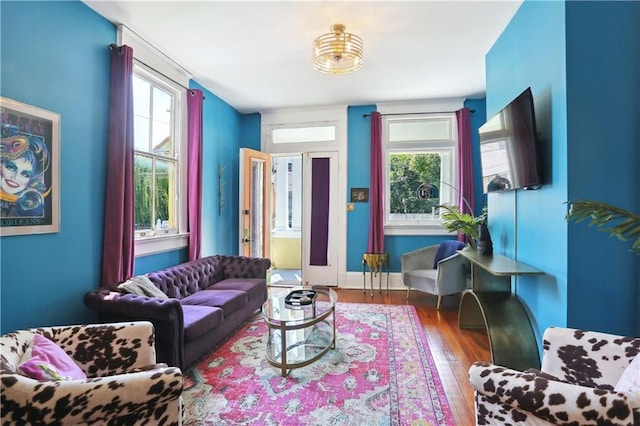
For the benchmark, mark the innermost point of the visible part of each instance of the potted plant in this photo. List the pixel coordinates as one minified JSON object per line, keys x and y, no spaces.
{"x":454,"y":220}
{"x":621,"y":223}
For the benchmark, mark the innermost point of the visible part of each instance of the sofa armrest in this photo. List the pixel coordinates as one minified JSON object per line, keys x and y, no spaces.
{"x":244,"y":267}
{"x":132,"y":305}
{"x":165,"y":314}
{"x":553,"y":401}
{"x":105,"y":398}
{"x":106,"y":349}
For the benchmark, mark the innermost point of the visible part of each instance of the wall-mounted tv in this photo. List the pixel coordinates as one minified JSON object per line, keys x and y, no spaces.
{"x":508,"y":148}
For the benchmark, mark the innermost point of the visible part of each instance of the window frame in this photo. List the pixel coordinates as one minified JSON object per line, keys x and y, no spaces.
{"x":445,"y":147}
{"x":157,"y":241}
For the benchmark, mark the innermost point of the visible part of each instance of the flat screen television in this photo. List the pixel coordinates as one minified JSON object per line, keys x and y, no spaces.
{"x":508,"y":148}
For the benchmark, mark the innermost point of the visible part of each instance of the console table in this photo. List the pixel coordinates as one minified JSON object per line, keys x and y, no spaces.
{"x":491,"y":305}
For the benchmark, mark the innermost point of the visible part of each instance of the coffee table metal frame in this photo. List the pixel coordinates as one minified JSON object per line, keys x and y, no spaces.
{"x":282,"y":318}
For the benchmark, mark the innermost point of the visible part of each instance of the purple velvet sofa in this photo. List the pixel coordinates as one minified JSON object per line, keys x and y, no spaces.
{"x":209,"y":298}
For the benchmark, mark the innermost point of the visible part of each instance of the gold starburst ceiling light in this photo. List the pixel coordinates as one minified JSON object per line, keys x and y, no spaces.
{"x":337,"y":52}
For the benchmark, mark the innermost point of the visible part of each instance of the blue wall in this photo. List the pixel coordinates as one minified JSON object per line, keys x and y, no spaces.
{"x":220,"y":134}
{"x":55,"y":56}
{"x":558,"y":49}
{"x":603,"y":121}
{"x":61,"y":63}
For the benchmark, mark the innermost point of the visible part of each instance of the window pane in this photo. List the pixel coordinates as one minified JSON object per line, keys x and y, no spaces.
{"x":406,"y":173}
{"x":161,"y":119}
{"x":165,"y":194}
{"x":304,"y":134}
{"x":141,"y":111}
{"x":419,"y":130}
{"x":156,"y":147}
{"x":143,"y":184}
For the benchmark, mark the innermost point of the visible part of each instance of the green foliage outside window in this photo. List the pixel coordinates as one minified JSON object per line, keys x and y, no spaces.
{"x":143,"y":192}
{"x":407,"y":172}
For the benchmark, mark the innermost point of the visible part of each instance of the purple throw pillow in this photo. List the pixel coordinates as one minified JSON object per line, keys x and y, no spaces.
{"x":49,"y":362}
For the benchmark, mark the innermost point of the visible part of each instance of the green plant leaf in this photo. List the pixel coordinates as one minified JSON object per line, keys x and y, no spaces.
{"x":453,"y":220}
{"x":621,"y":223}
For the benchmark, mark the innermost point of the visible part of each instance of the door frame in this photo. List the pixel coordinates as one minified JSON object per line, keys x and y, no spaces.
{"x":245,"y":207}
{"x":309,"y":117}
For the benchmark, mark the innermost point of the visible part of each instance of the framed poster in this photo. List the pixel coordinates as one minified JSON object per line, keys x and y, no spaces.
{"x":29,"y":169}
{"x":359,"y":195}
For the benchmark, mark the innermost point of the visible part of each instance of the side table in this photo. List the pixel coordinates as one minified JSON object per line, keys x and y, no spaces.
{"x":375,"y":262}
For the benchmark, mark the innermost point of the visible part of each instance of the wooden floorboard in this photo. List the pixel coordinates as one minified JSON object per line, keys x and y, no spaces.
{"x":453,"y":349}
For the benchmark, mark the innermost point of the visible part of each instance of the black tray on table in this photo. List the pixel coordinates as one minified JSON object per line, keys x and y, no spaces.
{"x":300,"y":297}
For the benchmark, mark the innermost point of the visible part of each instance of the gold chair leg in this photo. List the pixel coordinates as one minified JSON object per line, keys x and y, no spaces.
{"x":439,"y":301}
{"x":408,"y":290}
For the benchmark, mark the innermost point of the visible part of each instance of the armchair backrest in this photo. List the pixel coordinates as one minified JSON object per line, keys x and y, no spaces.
{"x":587,"y":358}
{"x":98,"y":349}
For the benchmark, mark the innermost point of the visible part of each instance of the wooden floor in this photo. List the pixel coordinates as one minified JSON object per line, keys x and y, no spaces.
{"x":453,"y":349}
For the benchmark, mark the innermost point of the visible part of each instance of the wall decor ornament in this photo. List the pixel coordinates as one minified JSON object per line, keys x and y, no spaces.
{"x":29,"y":169}
{"x":359,"y":195}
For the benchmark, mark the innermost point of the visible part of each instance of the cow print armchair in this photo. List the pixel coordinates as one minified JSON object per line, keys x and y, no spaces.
{"x":87,"y":375}
{"x":586,"y":378}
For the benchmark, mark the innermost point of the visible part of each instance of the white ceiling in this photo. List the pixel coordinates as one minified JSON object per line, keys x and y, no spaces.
{"x":256,"y":56}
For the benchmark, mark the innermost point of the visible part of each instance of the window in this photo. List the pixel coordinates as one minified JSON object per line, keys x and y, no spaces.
{"x":156,"y":106}
{"x":304,"y":134}
{"x":419,"y":149}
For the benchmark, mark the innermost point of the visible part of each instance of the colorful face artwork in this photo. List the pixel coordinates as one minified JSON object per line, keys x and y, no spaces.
{"x":24,"y":160}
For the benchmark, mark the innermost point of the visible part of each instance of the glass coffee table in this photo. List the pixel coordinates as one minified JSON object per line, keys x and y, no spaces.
{"x":299,"y":334}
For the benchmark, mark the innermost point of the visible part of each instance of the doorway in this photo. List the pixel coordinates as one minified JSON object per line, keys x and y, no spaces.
{"x":303,"y":219}
{"x":286,"y":220}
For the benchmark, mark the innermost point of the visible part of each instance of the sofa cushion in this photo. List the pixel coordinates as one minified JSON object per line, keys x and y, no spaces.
{"x":424,"y":279}
{"x":44,"y":360}
{"x":142,"y":286}
{"x":199,"y":320}
{"x":630,"y":379}
{"x":445,"y":249}
{"x":256,"y":288}
{"x":229,"y":300}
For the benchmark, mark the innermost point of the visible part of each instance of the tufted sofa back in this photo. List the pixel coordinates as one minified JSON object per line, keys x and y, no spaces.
{"x":243,"y":267}
{"x":188,"y":278}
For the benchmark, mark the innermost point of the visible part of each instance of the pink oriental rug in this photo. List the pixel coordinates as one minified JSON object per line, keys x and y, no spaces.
{"x":381,"y":373}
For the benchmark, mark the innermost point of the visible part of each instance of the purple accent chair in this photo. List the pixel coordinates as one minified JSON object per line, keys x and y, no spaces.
{"x":209,"y":299}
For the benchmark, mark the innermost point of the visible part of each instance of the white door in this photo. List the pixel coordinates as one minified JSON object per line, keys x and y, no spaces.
{"x":320,"y":219}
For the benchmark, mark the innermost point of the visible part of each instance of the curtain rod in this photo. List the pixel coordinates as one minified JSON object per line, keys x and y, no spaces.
{"x":191,"y":91}
{"x":415,"y":113}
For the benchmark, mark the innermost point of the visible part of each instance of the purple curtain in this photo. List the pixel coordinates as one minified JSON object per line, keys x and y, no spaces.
{"x":320,"y":185}
{"x":194,"y":191}
{"x":118,"y":242}
{"x":376,"y":192}
{"x":465,"y":163}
